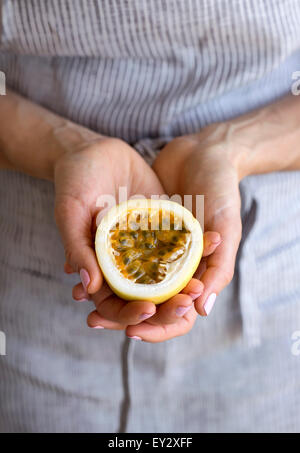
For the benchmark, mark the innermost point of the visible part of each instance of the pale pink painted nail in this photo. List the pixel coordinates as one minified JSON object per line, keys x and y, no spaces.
{"x":85,"y":278}
{"x":144,"y":316}
{"x":180,"y":311}
{"x":134,"y":337}
{"x":82,"y":300}
{"x":209,"y":303}
{"x":195,"y":295}
{"x":97,"y":327}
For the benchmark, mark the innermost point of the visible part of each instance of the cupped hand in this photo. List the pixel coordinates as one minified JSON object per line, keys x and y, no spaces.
{"x":80,"y":178}
{"x":143,"y":320}
{"x":205,"y":164}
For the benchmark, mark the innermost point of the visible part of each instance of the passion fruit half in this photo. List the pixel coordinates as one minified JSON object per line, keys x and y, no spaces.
{"x":148,"y":249}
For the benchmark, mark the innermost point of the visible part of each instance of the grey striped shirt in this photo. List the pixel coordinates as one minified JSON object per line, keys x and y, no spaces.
{"x":149,"y":70}
{"x":146,"y":71}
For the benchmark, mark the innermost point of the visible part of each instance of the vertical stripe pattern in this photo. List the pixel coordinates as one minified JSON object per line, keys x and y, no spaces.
{"x":147,"y":70}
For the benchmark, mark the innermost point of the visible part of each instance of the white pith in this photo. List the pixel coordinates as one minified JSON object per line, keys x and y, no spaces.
{"x":179,"y":272}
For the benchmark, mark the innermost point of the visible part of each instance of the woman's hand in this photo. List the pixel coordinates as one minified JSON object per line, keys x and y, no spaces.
{"x":42,"y":144}
{"x":213,"y":162}
{"x":144,"y":320}
{"x":205,"y":164}
{"x":80,"y":178}
{"x":85,"y":165}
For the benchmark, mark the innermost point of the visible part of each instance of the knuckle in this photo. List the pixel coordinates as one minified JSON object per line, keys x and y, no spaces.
{"x":106,"y":313}
{"x":70,"y":259}
{"x":113,"y":144}
{"x":123,"y":319}
{"x":90,"y":318}
{"x":186,"y":326}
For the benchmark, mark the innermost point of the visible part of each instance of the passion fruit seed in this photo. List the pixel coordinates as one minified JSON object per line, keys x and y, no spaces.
{"x":146,"y":280}
{"x":130,"y":255}
{"x":144,"y":255}
{"x":134,"y":267}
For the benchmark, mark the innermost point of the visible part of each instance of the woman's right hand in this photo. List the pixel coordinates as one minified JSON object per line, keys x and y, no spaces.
{"x":207,"y":164}
{"x":85,"y":165}
{"x":96,"y":170}
{"x":80,"y":178}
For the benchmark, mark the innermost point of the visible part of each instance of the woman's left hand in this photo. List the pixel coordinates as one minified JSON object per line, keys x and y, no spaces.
{"x":80,"y":178}
{"x":173,"y":318}
{"x":206,"y":164}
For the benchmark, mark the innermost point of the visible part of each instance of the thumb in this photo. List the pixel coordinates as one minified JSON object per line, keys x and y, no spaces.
{"x":74,"y":222}
{"x":220,"y":264}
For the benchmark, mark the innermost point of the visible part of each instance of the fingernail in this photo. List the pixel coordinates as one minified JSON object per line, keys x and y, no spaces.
{"x":85,"y":278}
{"x":195,"y":295}
{"x":81,"y":300}
{"x":209,"y":303}
{"x":145,"y":316}
{"x":134,"y":337}
{"x":216,"y":241}
{"x":97,"y":327}
{"x":180,"y":311}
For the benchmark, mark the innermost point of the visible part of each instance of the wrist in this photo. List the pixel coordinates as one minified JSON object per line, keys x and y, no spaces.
{"x":33,"y":138}
{"x":238,"y":156}
{"x":239,"y":142}
{"x":225,"y":141}
{"x":68,"y":138}
{"x":265,"y":140}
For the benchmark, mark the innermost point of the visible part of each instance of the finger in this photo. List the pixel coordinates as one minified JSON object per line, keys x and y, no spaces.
{"x":130,"y":313}
{"x":68,"y":269}
{"x":172,"y":310}
{"x":102,"y":294}
{"x":137,"y":311}
{"x":219,"y":268}
{"x":113,"y":308}
{"x":200,"y":270}
{"x":80,"y":294}
{"x":74,"y":222}
{"x":155,"y":333}
{"x":211,"y":240}
{"x":194,"y":288}
{"x":97,"y":322}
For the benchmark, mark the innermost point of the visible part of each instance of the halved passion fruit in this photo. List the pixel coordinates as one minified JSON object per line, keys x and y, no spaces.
{"x":148,"y":249}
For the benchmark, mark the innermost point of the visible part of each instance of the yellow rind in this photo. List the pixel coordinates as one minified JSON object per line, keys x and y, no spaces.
{"x":164,"y":296}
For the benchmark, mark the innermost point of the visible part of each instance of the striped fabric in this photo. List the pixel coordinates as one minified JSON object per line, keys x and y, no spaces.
{"x":146,"y":71}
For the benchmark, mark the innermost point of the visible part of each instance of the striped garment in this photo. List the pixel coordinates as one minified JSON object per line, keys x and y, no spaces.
{"x":147,"y":71}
